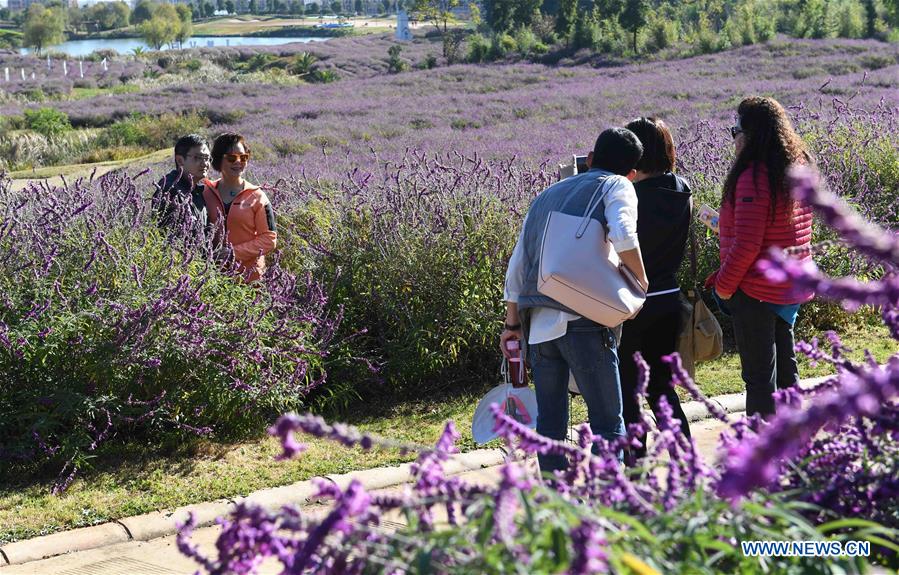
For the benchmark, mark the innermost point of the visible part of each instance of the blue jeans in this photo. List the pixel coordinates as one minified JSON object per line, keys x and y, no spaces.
{"x":588,"y":351}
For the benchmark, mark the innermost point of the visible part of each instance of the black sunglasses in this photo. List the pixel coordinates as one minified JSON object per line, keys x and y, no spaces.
{"x":734,"y":130}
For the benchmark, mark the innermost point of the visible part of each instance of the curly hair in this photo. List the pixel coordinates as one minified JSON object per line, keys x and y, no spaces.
{"x":770,"y":140}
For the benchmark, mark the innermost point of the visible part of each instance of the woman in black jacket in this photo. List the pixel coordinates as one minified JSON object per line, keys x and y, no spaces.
{"x":663,"y":223}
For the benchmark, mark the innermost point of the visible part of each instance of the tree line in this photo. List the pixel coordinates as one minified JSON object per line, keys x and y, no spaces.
{"x":534,"y":27}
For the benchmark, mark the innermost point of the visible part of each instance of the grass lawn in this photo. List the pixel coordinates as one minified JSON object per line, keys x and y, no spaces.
{"x":134,"y":479}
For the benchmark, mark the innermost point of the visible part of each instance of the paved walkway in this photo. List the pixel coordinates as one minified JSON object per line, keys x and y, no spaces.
{"x":161,"y":557}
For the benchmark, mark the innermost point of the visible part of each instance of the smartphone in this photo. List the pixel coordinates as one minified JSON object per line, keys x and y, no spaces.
{"x":709,"y":217}
{"x":580,"y":164}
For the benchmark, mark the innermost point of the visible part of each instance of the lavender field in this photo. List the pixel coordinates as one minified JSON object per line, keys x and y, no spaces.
{"x":394,"y":193}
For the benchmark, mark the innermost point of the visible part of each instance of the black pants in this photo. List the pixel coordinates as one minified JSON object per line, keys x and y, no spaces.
{"x":767,"y":359}
{"x":654,"y":334}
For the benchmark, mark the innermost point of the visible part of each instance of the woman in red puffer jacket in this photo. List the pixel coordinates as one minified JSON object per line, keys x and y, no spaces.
{"x":757,"y":214}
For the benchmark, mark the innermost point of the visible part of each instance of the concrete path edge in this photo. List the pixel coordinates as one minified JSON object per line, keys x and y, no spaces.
{"x":163,"y":523}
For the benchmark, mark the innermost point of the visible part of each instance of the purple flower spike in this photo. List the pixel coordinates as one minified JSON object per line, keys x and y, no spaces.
{"x":679,"y":376}
{"x":284,"y":429}
{"x":755,"y":462}
{"x":851,"y":227}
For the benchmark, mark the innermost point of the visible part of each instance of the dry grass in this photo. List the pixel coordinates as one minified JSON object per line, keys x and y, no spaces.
{"x":53,"y":175}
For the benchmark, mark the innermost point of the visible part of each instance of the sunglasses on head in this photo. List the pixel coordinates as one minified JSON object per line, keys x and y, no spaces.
{"x":735,"y":130}
{"x":234,"y":157}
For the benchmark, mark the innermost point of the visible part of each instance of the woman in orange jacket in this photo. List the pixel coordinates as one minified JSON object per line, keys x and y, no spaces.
{"x":249,"y":221}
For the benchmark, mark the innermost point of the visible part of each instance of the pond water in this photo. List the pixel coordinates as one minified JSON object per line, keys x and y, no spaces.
{"x":125,"y":45}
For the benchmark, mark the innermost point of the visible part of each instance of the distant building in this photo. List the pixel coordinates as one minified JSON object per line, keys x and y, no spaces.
{"x":16,"y":5}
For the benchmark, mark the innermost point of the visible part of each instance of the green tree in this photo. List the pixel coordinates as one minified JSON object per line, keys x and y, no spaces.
{"x":499,"y":14}
{"x":437,"y":11}
{"x":252,"y":7}
{"x":185,"y":29}
{"x":142,"y":12}
{"x":336,"y":7}
{"x":565,"y":19}
{"x":312,"y":8}
{"x":585,"y":31}
{"x":633,"y":17}
{"x":163,"y":28}
{"x":358,"y":7}
{"x":230,"y":7}
{"x":119,"y":14}
{"x":43,"y":27}
{"x":892,"y":8}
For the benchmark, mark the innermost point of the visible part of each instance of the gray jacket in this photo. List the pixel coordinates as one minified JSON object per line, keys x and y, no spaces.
{"x":569,"y":196}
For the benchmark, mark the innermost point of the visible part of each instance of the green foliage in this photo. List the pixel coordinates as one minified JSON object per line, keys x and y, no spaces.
{"x":48,"y":122}
{"x":478,"y":48}
{"x":633,"y":17}
{"x":566,"y":19}
{"x":159,"y":31}
{"x":850,"y":19}
{"x":424,"y":287}
{"x":700,"y":535}
{"x":706,"y":40}
{"x":143,"y":11}
{"x":73,"y":388}
{"x":43,"y":27}
{"x":816,"y":20}
{"x":150,"y":132}
{"x":662,"y":34}
{"x":501,"y":45}
{"x":395,"y":64}
{"x":185,"y":29}
{"x":10,"y":39}
{"x":752,"y":22}
{"x":586,"y":32}
{"x":525,"y":40}
{"x":108,"y":15}
{"x":505,"y":15}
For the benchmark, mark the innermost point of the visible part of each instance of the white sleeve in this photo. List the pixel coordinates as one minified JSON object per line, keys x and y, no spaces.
{"x":621,"y":214}
{"x":515,"y":271}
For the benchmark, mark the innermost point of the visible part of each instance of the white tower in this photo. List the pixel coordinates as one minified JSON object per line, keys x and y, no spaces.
{"x":402,"y":26}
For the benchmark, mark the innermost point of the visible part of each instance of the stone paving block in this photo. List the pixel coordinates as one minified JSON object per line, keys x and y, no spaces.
{"x":273,"y":499}
{"x":695,"y":411}
{"x":64,"y":542}
{"x":374,"y":478}
{"x":732,"y":403}
{"x":162,"y":523}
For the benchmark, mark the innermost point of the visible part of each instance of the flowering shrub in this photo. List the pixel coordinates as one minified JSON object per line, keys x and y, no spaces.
{"x":418,"y":250}
{"x":108,"y":328}
{"x":778,"y":480}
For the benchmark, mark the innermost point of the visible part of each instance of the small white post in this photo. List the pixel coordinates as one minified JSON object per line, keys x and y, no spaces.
{"x":6,"y":73}
{"x":22,"y":71}
{"x":65,"y":68}
{"x":32,"y":75}
{"x":48,"y":61}
{"x":81,"y":68}
{"x":105,"y":65}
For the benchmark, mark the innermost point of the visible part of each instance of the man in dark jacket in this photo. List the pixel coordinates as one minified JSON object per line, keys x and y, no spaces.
{"x":178,"y":199}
